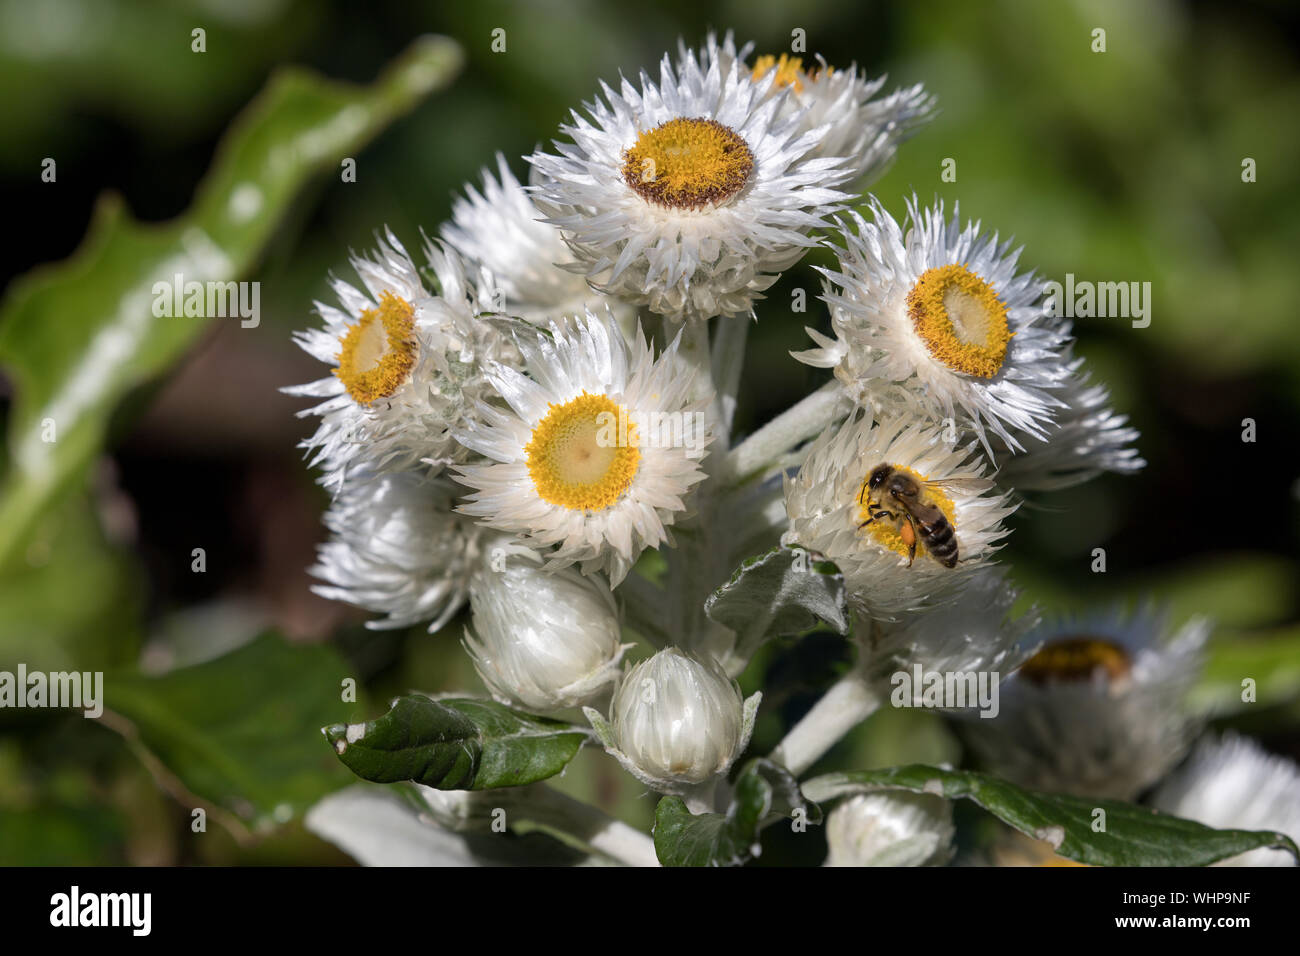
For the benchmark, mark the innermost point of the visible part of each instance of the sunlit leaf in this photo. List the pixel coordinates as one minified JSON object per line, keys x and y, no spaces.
{"x":78,"y":336}
{"x":456,"y":744}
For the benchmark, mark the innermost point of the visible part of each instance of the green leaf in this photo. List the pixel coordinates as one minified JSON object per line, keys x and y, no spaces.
{"x":78,"y":336}
{"x":785,"y":591}
{"x":1272,"y":661}
{"x":1134,"y":836}
{"x":763,"y":793}
{"x":456,"y":744}
{"x":73,"y":604}
{"x":59,"y":835}
{"x":239,"y":731}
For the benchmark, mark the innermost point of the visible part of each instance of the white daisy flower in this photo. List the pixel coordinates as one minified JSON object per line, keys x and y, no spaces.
{"x":890,"y":829}
{"x":841,"y":103}
{"x":542,"y":640}
{"x":398,"y":549}
{"x":407,"y":365}
{"x":501,"y":230}
{"x":943,"y":311}
{"x":974,"y":634}
{"x":690,"y":196}
{"x":1234,"y":784}
{"x":899,"y":511}
{"x":1087,"y":439}
{"x":597,"y":450}
{"x":1100,"y":710}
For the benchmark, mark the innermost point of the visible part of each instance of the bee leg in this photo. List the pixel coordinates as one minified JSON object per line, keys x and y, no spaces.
{"x":874,"y":516}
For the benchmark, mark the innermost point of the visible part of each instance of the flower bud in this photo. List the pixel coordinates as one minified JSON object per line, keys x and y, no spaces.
{"x":677,"y":720}
{"x":539,"y":639}
{"x":890,"y":829}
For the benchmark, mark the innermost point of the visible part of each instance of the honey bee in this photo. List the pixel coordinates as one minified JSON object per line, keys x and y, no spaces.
{"x":901,"y":498}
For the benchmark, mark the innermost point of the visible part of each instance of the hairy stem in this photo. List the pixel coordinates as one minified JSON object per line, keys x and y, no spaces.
{"x":597,"y":829}
{"x":809,"y":417}
{"x":625,"y":844}
{"x":849,"y":702}
{"x":728,"y":360}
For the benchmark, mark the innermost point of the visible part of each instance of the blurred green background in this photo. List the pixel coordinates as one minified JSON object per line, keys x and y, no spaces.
{"x":1117,"y":166}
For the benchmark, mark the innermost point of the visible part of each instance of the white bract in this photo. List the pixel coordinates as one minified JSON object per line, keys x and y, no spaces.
{"x":500,"y":229}
{"x":1087,"y":439}
{"x":1100,"y":710}
{"x":842,"y":102}
{"x":397,"y":548}
{"x":1231,"y":783}
{"x":942,"y":310}
{"x":407,"y":365}
{"x":890,"y":829}
{"x":676,"y":721}
{"x":975,"y":633}
{"x":692,"y":195}
{"x":833,"y":508}
{"x":542,"y":641}
{"x":595,"y":455}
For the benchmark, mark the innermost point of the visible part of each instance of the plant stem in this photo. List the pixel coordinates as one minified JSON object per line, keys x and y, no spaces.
{"x":644,"y":603}
{"x":565,"y":815}
{"x":694,"y":565}
{"x":625,"y":843}
{"x":849,"y":702}
{"x":730,"y":334}
{"x":694,"y":349}
{"x":809,"y":417}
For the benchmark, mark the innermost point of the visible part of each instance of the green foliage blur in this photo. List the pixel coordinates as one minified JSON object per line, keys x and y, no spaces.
{"x":1117,"y":166}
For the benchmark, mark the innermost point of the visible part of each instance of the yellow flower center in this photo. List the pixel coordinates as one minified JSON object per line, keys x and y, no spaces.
{"x":896,"y":534}
{"x":583,"y":454}
{"x":1076,"y":659}
{"x":379,"y":351}
{"x":961,"y":320}
{"x":688,"y":164}
{"x":789,"y":70}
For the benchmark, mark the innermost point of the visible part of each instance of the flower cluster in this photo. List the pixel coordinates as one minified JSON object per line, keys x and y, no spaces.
{"x":538,"y":425}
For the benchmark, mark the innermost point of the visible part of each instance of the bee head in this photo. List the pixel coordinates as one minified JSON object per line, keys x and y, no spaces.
{"x":878,"y":476}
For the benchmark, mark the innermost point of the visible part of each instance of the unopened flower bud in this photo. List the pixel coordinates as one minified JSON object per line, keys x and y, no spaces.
{"x":890,"y":829}
{"x":542,"y":640}
{"x":676,"y":720}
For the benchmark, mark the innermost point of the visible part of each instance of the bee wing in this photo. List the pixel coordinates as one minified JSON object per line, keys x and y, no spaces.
{"x":969,"y":484}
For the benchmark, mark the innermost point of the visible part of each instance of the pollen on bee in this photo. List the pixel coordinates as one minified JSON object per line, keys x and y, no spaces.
{"x":896,"y":533}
